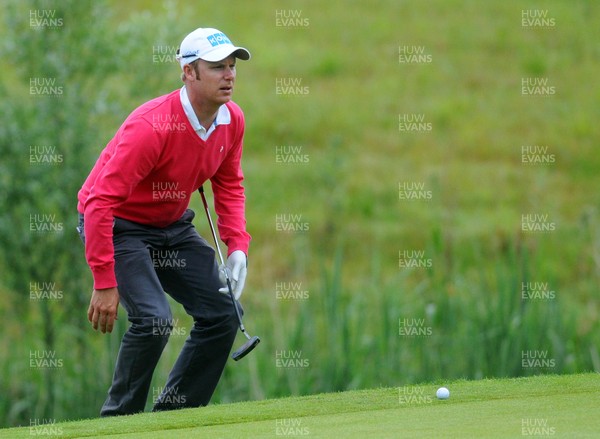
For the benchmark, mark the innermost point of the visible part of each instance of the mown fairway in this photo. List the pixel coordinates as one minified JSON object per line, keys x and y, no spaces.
{"x":555,"y":406}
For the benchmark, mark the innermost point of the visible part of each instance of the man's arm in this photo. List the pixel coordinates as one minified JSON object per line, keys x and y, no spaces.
{"x":135,"y":153}
{"x":229,"y":199}
{"x":132,"y":159}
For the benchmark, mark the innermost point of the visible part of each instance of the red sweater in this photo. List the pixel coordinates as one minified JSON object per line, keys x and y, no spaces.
{"x":150,"y":169}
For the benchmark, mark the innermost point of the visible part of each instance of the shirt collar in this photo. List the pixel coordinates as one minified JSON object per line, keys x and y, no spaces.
{"x":223,"y":115}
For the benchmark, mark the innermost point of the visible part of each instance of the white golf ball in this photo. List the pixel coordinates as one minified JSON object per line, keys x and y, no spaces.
{"x":442,"y":393}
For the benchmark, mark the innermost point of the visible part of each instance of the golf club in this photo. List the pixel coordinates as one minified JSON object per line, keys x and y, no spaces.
{"x":252,"y":341}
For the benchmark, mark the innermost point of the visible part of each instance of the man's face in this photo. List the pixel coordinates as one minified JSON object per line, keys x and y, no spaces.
{"x":213,"y":81}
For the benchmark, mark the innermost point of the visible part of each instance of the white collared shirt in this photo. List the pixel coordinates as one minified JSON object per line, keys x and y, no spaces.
{"x":223,"y":116}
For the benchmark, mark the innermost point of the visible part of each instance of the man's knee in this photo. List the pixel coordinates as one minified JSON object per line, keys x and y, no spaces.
{"x":158,"y":325}
{"x":225,"y":322}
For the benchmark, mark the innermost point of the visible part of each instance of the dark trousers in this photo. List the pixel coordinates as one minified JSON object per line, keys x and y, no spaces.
{"x":150,"y":261}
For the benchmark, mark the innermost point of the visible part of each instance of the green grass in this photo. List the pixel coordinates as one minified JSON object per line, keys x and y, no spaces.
{"x":348,"y":192}
{"x":551,"y":405}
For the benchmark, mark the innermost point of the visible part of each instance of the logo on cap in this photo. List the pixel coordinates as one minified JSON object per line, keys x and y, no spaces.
{"x":218,"y":38}
{"x":190,"y":54}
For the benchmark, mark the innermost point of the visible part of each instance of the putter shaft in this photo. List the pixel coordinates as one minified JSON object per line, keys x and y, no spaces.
{"x":214,"y":234}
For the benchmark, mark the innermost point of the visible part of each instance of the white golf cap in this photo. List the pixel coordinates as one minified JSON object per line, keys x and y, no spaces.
{"x":210,"y":45}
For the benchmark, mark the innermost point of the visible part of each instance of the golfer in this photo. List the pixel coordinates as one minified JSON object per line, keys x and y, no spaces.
{"x":139,"y":239}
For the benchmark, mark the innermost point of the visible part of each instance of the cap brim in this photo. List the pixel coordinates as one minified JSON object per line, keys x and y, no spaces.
{"x":223,"y":52}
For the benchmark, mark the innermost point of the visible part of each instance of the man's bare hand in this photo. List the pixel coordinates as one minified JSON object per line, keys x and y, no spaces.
{"x":103,"y":309}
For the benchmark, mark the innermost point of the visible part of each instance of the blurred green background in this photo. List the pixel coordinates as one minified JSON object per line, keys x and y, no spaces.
{"x":334,"y":295}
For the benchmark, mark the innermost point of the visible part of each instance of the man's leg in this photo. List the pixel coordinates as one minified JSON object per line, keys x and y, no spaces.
{"x":142,"y":296}
{"x":198,"y":369}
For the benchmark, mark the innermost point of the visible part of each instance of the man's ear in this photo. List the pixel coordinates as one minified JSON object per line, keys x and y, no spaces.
{"x":188,"y":71}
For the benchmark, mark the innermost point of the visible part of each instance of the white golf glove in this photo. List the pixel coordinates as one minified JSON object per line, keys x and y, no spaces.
{"x":236,"y":269}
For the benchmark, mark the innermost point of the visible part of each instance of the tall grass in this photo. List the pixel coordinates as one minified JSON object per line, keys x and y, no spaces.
{"x":478,"y":324}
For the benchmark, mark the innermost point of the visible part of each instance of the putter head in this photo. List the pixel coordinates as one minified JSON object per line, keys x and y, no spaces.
{"x":246,"y":348}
